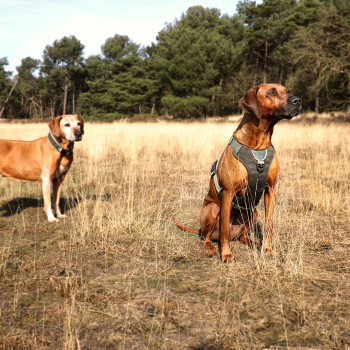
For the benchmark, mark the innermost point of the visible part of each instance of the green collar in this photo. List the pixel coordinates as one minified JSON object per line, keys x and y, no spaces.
{"x":56,"y":145}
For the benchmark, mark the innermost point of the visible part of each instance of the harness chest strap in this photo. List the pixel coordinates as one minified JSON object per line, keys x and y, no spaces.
{"x":56,"y":145}
{"x":257,"y":164}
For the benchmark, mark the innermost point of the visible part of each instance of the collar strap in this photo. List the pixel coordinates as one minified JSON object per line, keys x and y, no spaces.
{"x":56,"y":145}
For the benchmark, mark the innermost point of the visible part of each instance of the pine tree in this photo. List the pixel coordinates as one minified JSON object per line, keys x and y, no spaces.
{"x":118,"y":82}
{"x":30,"y":104}
{"x":5,"y":85}
{"x":193,"y":58}
{"x":320,"y":53}
{"x":60,"y":65}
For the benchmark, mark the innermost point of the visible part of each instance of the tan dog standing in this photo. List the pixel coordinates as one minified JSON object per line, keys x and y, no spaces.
{"x":46,"y":160}
{"x":220,"y":220}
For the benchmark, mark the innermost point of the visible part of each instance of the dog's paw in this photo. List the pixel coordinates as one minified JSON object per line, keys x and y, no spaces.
{"x":227,"y":258}
{"x":226,"y":254}
{"x":61,"y":216}
{"x":53,"y":219}
{"x":267,"y":251}
{"x":209,"y":249}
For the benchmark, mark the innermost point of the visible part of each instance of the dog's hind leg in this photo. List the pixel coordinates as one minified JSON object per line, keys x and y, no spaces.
{"x":246,"y":238}
{"x":46,"y":185}
{"x":209,"y":218}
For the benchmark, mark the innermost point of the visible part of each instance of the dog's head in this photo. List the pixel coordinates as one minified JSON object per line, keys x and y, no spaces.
{"x":270,"y":100}
{"x":69,"y":127}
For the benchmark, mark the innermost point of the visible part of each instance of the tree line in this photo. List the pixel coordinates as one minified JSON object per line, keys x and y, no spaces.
{"x":200,"y":65}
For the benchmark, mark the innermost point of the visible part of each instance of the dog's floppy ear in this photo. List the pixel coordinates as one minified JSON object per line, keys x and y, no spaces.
{"x":249,"y":102}
{"x":54,"y":126}
{"x":82,"y":124}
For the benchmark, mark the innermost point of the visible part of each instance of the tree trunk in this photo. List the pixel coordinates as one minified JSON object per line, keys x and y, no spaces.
{"x":73,"y":102}
{"x":152,"y":110}
{"x":36,"y":106}
{"x":213,"y":97}
{"x":65,"y":95}
{"x":256,"y":71}
{"x":283,"y":76}
{"x":265,"y":63}
{"x":220,"y":84}
{"x":317,"y":103}
{"x":8,"y":97}
{"x":266,"y":52}
{"x":52,"y":107}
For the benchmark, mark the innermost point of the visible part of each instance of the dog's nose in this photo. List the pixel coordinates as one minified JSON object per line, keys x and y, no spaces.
{"x":77,"y":133}
{"x":295,"y":100}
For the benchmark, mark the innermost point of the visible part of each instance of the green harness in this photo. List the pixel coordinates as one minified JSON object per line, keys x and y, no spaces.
{"x":257,"y":164}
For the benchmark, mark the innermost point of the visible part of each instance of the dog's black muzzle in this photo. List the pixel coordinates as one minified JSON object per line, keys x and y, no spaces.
{"x":291,"y":109}
{"x":78,"y":135}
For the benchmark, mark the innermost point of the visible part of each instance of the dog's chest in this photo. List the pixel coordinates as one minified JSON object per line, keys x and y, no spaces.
{"x":63,"y":167}
{"x":61,"y":170}
{"x":241,"y":192}
{"x":257,"y":164}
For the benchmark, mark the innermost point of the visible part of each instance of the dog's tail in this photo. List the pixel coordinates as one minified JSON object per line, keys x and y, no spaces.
{"x":184,"y":228}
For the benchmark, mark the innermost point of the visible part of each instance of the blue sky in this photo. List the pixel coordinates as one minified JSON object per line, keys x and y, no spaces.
{"x":27,"y":26}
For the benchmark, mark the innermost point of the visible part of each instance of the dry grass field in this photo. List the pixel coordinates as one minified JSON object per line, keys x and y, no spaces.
{"x":118,"y":274}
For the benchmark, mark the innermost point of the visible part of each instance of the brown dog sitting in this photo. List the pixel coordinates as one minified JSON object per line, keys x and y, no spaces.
{"x":229,"y":209}
{"x":44,"y":160}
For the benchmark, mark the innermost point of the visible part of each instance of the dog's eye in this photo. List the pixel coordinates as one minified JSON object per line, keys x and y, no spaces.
{"x":288,"y":92}
{"x":272,"y":92}
{"x":78,"y":124}
{"x":66,"y":124}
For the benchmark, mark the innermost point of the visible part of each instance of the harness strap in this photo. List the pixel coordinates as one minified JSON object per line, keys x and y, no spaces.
{"x":214,"y":169}
{"x":56,"y":146}
{"x":235,"y":147}
{"x":217,"y":186}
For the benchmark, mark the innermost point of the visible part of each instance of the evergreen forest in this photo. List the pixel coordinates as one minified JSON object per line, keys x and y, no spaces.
{"x":199,"y":66}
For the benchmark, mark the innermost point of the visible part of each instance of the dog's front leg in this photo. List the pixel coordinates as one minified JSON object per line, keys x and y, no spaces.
{"x":56,"y":194}
{"x":46,"y":185}
{"x":225,"y":213}
{"x":270,"y":200}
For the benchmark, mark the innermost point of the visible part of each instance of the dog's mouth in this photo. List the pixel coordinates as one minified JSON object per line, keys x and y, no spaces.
{"x":77,"y":136}
{"x":289,"y":112}
{"x":287,"y":116}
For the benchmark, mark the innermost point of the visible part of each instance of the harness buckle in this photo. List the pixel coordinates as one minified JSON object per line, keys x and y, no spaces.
{"x":260,"y":166}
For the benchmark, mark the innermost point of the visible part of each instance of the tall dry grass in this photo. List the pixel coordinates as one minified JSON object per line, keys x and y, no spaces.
{"x":117,"y":274}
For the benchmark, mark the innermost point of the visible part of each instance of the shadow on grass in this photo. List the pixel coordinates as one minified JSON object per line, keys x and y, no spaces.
{"x":17,"y":205}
